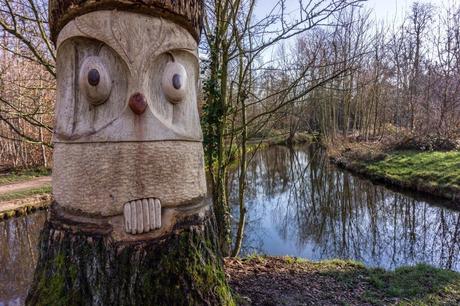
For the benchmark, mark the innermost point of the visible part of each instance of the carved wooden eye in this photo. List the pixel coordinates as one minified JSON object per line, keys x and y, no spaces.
{"x":94,"y":77}
{"x":174,"y":82}
{"x":94,"y":80}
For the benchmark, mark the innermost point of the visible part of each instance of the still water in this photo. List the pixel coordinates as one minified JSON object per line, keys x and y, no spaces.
{"x":18,"y":256}
{"x":298,"y":204}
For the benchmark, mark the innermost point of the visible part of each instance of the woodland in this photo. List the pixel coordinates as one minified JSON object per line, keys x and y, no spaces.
{"x":382,"y":98}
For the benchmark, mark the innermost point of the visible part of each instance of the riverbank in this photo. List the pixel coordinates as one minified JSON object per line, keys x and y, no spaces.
{"x":23,"y":206}
{"x":291,"y":281}
{"x":430,"y":172}
{"x":23,"y":194}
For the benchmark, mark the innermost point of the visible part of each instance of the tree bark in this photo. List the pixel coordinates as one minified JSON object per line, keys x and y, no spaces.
{"x":81,"y":265}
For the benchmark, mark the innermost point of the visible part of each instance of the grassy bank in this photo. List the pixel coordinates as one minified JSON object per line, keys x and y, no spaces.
{"x":23,"y":206}
{"x":20,"y":175}
{"x":290,"y":281}
{"x":22,"y":194}
{"x":431,"y":172}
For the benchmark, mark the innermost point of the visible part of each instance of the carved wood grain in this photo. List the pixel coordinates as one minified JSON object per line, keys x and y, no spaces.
{"x":135,"y":52}
{"x":186,"y":13}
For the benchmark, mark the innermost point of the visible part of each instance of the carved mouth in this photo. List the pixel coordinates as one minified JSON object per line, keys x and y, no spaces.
{"x":142,"y":216}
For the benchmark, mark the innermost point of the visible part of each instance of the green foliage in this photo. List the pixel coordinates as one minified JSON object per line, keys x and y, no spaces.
{"x":23,"y":175}
{"x":212,"y":118}
{"x":213,"y":122}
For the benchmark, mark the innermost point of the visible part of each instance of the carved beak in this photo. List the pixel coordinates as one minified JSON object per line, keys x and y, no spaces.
{"x":137,"y":103}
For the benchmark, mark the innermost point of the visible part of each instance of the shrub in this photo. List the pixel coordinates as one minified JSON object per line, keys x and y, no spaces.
{"x":427,"y":143}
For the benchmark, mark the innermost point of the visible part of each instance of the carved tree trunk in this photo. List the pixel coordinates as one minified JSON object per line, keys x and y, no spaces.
{"x":130,"y":224}
{"x":78,"y":266}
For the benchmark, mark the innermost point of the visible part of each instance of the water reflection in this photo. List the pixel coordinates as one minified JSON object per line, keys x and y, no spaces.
{"x":18,"y":256}
{"x":300,"y":205}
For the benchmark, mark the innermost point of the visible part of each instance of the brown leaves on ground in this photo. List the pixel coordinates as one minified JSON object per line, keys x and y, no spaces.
{"x":287,"y":281}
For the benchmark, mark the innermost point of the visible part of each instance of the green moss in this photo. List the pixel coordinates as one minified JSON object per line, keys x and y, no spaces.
{"x":19,"y":175}
{"x":290,"y":260}
{"x":8,"y":214}
{"x":16,"y":195}
{"x":182,"y":269}
{"x":21,"y":211}
{"x":53,"y":286}
{"x":192,"y":260}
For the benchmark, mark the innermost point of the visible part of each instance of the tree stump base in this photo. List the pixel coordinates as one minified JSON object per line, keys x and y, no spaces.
{"x":83,"y":268}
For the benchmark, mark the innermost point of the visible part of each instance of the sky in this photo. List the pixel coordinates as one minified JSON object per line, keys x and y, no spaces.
{"x":390,"y":10}
{"x":386,"y":10}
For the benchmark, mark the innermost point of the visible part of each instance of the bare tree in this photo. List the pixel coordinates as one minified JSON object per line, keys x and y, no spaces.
{"x":27,"y":82}
{"x":234,"y":42}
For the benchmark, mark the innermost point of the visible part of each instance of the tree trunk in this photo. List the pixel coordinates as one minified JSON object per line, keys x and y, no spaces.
{"x":79,"y":265}
{"x":130,"y":225}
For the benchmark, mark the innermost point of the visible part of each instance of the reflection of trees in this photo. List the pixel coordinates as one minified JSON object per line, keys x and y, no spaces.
{"x":18,"y":256}
{"x":339,"y":215}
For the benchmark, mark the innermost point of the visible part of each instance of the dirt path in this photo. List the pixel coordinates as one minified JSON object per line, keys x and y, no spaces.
{"x":30,"y":184}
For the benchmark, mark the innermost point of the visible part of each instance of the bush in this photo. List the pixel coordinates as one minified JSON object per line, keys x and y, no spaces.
{"x":427,"y":143}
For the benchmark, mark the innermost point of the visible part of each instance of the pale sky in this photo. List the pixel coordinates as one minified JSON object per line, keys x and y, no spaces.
{"x":388,"y":11}
{"x":385,"y":10}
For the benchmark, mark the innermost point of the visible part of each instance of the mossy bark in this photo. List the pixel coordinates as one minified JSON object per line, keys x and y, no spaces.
{"x":81,"y":268}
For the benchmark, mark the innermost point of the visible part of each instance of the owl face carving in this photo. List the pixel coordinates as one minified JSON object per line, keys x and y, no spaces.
{"x":127,"y":131}
{"x":126,"y":77}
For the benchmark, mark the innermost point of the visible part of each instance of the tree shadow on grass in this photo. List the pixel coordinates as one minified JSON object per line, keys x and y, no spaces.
{"x":291,"y":281}
{"x":416,"y":285}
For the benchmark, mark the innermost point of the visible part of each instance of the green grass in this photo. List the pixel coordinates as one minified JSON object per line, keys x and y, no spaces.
{"x":430,"y":169}
{"x":22,"y":175}
{"x":16,"y":195}
{"x":357,"y":284}
{"x":418,"y":285}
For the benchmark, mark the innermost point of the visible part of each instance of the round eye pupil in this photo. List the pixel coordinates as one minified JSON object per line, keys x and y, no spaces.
{"x":93,"y":77}
{"x":177,"y":81}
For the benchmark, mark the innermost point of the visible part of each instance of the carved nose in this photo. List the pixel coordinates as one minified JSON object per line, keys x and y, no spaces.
{"x":137,"y":103}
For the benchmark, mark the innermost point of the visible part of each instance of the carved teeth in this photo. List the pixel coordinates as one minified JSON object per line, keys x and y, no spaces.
{"x":152,"y":215}
{"x":157,"y":213}
{"x":142,"y":216}
{"x":146,"y":215}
